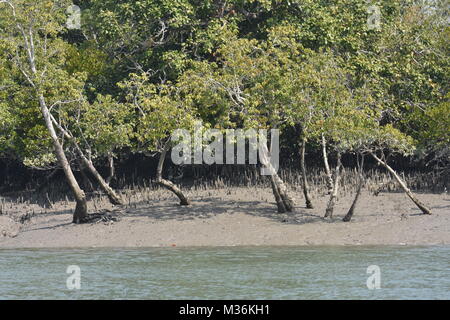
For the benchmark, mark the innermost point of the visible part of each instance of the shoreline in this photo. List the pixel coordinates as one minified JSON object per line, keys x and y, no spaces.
{"x":226,"y":218}
{"x":337,"y":246}
{"x":193,"y":248}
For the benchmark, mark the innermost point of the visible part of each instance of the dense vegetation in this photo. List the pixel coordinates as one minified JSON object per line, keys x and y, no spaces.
{"x":330,"y":75}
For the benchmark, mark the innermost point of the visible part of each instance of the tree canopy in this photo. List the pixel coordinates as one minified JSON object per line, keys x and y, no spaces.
{"x":135,"y":71}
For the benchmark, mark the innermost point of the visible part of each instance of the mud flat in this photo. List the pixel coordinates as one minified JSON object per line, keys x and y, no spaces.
{"x":237,"y":217}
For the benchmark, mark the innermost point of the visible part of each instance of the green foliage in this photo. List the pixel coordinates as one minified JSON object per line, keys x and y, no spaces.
{"x":140,"y":69}
{"x":23,"y":23}
{"x":158,"y":111}
{"x":6,"y":123}
{"x":438,"y":124}
{"x":103,"y":126}
{"x":247,"y":86}
{"x":42,"y":63}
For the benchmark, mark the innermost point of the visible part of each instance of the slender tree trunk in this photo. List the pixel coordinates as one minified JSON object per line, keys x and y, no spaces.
{"x":184,"y":201}
{"x":334,"y":192}
{"x":113,"y":197}
{"x":329,"y":177}
{"x":351,"y":211}
{"x":280,"y":204}
{"x":402,"y":184}
{"x":80,"y":213}
{"x":308,"y":201}
{"x":278,"y":186}
{"x":283,"y":192}
{"x":112,"y":170}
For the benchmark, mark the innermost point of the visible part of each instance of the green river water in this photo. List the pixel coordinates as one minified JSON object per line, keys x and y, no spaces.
{"x":227,"y":273}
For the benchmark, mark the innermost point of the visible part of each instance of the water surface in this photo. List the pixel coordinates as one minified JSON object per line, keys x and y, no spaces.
{"x":227,"y":273}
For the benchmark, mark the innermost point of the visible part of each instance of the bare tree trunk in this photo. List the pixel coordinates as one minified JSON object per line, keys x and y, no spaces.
{"x":329,"y":177}
{"x":402,"y":184}
{"x":351,"y":211}
{"x":80,"y":213}
{"x":111,"y":169}
{"x":282,"y":191}
{"x":280,"y":204}
{"x":113,"y":197}
{"x":308,"y":201}
{"x":278,"y":186}
{"x":334,"y":193}
{"x":184,"y":201}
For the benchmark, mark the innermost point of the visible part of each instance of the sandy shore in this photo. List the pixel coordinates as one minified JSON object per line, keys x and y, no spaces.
{"x":238,"y":217}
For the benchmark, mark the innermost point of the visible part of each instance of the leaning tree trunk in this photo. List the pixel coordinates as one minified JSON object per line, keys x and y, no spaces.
{"x":403,"y":185}
{"x":283,"y":192}
{"x":334,"y":192}
{"x":329,"y":177}
{"x":80,"y":213}
{"x":184,"y":201}
{"x":308,"y":201}
{"x":351,"y":211}
{"x":280,"y":204}
{"x":279,"y":188}
{"x":113,"y":197}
